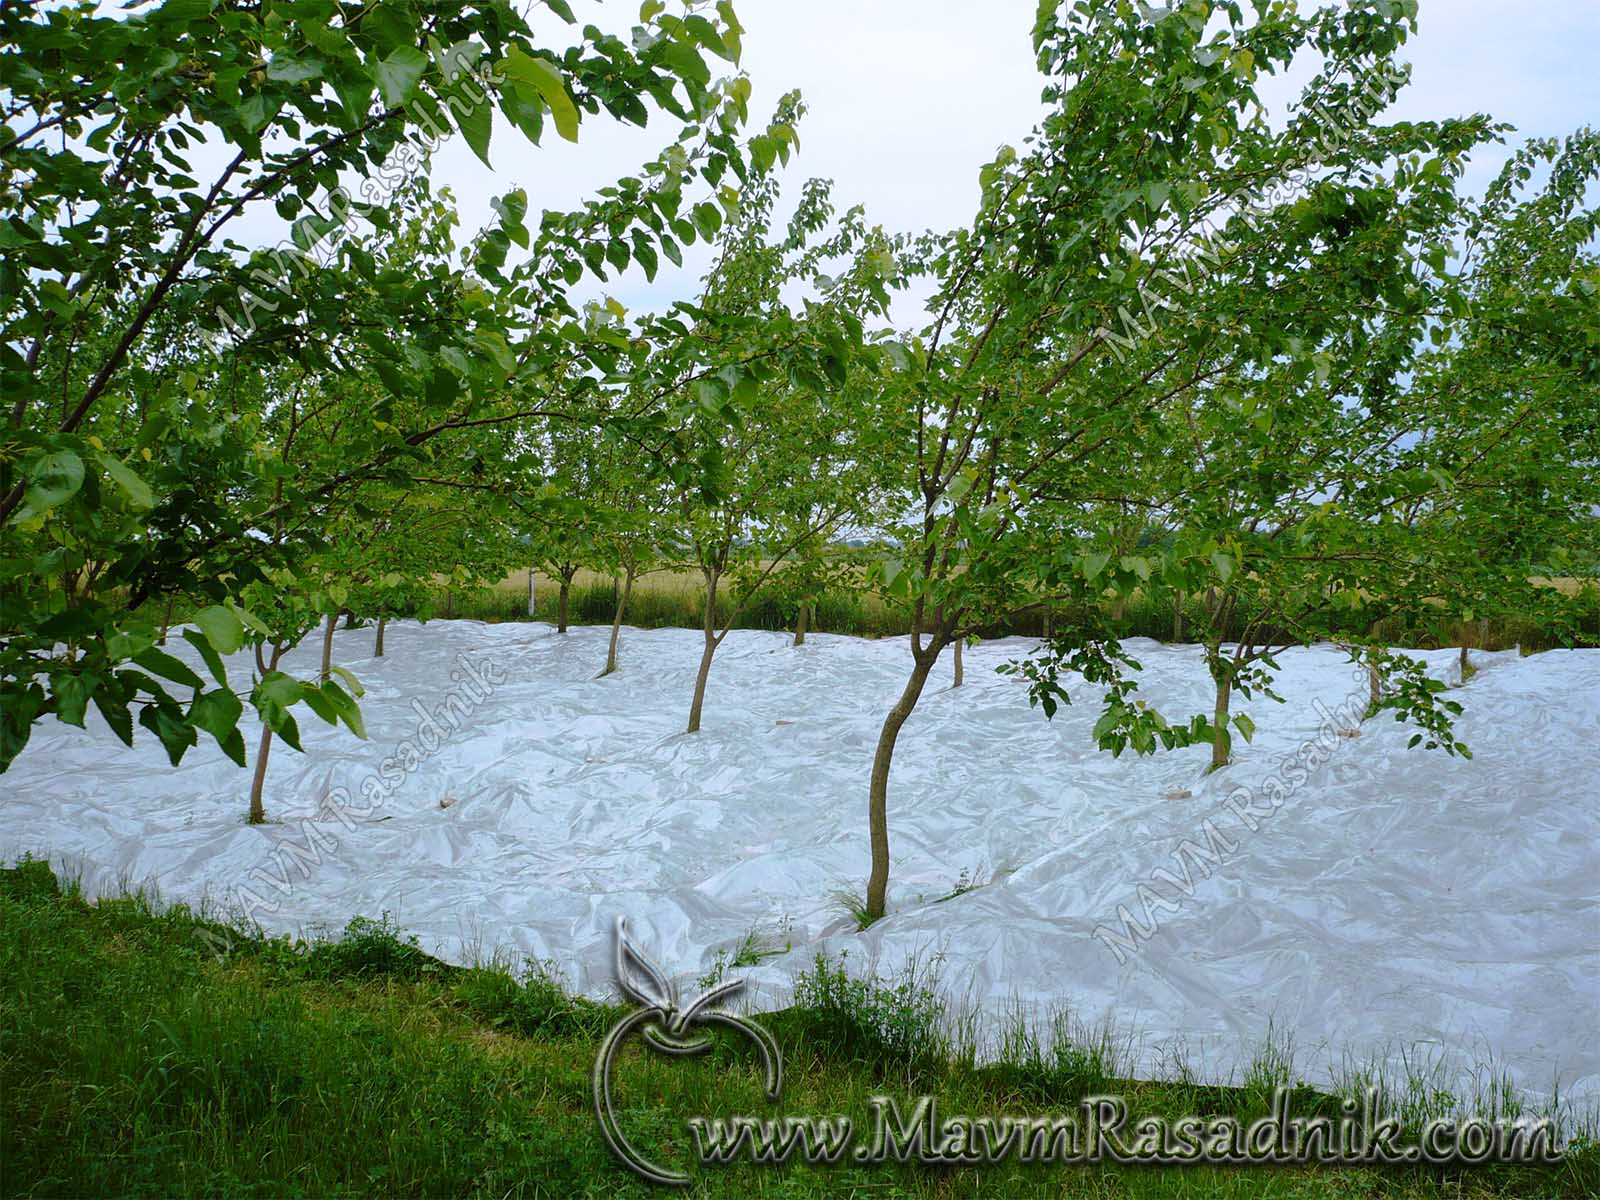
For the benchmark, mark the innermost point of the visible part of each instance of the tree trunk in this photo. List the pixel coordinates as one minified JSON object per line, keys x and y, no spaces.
{"x":800,"y":624}
{"x":327,"y":646}
{"x":530,"y":593}
{"x":959,"y":673}
{"x":878,"y":792}
{"x":1466,"y":663}
{"x":449,"y":605}
{"x":1177,"y":618}
{"x":349,"y":618}
{"x":616,"y":625}
{"x":258,"y":815}
{"x":561,"y":604}
{"x":710,"y":630}
{"x":377,"y":649}
{"x":1220,"y":739}
{"x":166,"y":623}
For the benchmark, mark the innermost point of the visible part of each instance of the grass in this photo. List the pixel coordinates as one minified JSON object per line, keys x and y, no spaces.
{"x":675,"y":599}
{"x":136,"y":1060}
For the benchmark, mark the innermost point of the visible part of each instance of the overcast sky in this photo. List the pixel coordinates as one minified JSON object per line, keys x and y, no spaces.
{"x":907,"y":98}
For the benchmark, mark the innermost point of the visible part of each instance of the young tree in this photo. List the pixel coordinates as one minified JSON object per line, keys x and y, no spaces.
{"x":126,"y":307}
{"x":782,"y":459}
{"x":1031,"y":388}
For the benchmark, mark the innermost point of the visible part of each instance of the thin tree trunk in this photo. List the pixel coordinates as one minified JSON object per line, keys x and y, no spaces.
{"x":258,"y":815}
{"x":449,"y":605}
{"x":377,"y":649}
{"x":258,"y":780}
{"x":616,"y":625}
{"x":1177,"y":618}
{"x":327,"y":646}
{"x":960,"y":675}
{"x":1220,"y":739}
{"x":710,"y":631}
{"x":800,"y":624}
{"x":349,"y":618}
{"x":1466,"y":663}
{"x":530,"y":593}
{"x":561,"y":604}
{"x":166,"y":623}
{"x":878,"y":792}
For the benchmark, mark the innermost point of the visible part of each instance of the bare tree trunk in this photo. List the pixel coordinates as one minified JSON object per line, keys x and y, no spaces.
{"x":878,"y":792}
{"x":166,"y":622}
{"x":960,"y":674}
{"x":530,"y":593}
{"x":1049,"y":622}
{"x":449,"y":605}
{"x":710,"y":630}
{"x":1466,"y":663}
{"x":562,"y":603}
{"x":616,"y":625}
{"x":258,"y":815}
{"x":327,"y":646}
{"x":1220,"y":739}
{"x":800,"y":624}
{"x":377,"y":649}
{"x":1177,"y":618}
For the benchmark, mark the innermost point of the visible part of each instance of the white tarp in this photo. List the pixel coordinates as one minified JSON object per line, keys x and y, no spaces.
{"x":1386,"y":903}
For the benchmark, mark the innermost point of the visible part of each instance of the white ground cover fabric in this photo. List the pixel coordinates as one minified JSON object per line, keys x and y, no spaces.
{"x":1378,"y":907}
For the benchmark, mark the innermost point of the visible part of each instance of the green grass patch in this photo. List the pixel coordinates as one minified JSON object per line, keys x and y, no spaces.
{"x":139,"y":1059}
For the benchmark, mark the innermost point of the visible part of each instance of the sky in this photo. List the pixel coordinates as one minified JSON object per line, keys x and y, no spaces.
{"x":908,"y":98}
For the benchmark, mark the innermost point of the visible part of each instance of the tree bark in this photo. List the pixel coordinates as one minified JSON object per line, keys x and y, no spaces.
{"x":878,"y":792}
{"x":710,"y":630}
{"x":327,"y":646}
{"x":377,"y":649}
{"x":1177,"y":618}
{"x":1220,"y":739}
{"x":616,"y":625}
{"x":800,"y":624}
{"x":530,"y":593}
{"x":166,"y":623}
{"x":1466,"y":663}
{"x":562,"y":603}
{"x":258,"y":815}
{"x":960,"y":674}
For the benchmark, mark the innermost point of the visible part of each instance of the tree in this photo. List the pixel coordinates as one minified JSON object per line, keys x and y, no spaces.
{"x":780,"y":458}
{"x":1034,"y":384}
{"x":126,"y":307}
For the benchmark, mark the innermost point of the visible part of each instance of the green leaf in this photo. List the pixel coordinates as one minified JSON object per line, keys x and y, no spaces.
{"x":1093,"y":564}
{"x":1223,"y":562}
{"x":350,"y":680}
{"x":476,"y":124}
{"x":398,"y":75}
{"x":136,"y":489}
{"x":217,"y":713}
{"x":53,"y":481}
{"x":115,"y":711}
{"x":159,"y":662}
{"x":72,"y":692}
{"x":207,"y":652}
{"x":541,"y":75}
{"x":1246,"y":725}
{"x":222,"y":628}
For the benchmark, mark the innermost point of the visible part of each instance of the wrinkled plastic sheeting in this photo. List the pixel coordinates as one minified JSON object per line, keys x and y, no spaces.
{"x":1364,"y":902}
